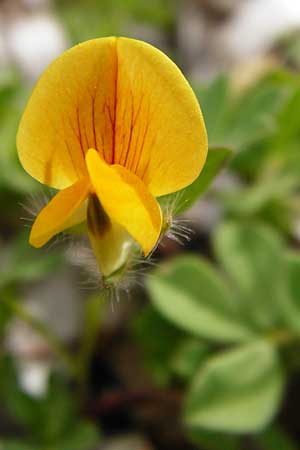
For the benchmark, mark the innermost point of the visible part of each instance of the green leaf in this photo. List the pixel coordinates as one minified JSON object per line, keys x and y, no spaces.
{"x":238,"y":391}
{"x":189,"y":293}
{"x":184,"y":199}
{"x":253,"y":255}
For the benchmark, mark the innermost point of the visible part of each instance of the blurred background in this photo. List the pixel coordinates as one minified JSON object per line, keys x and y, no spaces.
{"x":202,"y":352}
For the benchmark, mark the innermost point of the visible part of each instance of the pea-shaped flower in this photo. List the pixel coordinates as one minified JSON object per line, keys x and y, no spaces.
{"x":113,"y":124}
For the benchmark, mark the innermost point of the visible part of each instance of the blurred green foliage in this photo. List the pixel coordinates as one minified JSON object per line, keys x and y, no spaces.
{"x":85,"y":19}
{"x":250,"y":305}
{"x":261,"y":124}
{"x":49,"y":423}
{"x":12,"y":101}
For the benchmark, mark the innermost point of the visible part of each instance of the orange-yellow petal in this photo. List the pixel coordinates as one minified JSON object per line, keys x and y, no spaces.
{"x":126,"y":99}
{"x":64,"y":210}
{"x":70,"y":110}
{"x":126,"y":200}
{"x":160,"y":132}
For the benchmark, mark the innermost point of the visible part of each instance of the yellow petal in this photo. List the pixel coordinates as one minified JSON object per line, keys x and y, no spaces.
{"x":64,"y":210}
{"x":126,"y":99}
{"x":126,"y":200}
{"x":160,"y":132}
{"x":71,"y":109}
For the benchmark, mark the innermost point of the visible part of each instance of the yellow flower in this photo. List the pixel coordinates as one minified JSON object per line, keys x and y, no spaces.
{"x":113,"y":124}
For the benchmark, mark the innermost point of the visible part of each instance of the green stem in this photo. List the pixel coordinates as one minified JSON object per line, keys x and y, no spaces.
{"x":92,"y":323}
{"x":42,"y":330}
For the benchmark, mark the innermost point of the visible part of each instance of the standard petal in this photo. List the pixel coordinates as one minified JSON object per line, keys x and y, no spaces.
{"x":64,"y":210}
{"x":160,"y":132}
{"x":124,"y":98}
{"x":72,"y":108}
{"x":126,"y":200}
